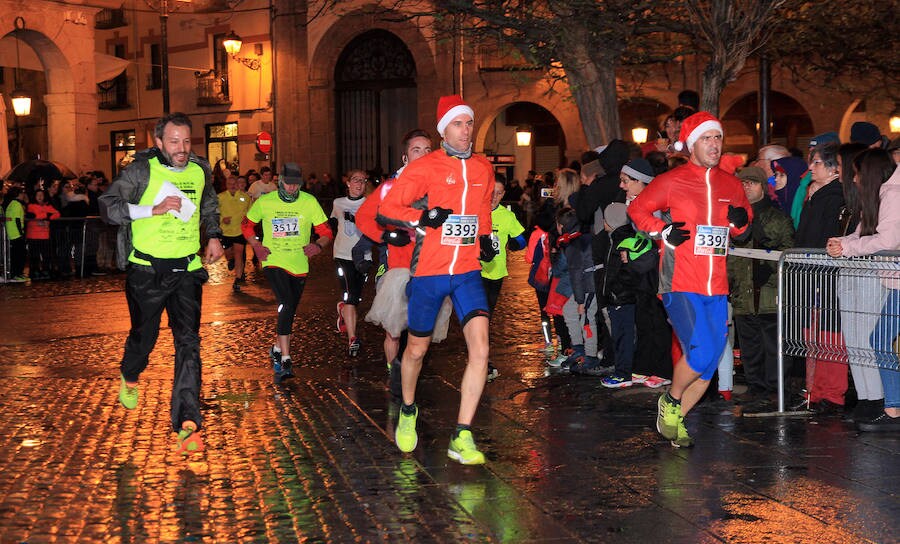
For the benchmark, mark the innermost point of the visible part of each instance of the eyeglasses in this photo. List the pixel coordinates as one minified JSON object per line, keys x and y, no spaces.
{"x":357,"y":180}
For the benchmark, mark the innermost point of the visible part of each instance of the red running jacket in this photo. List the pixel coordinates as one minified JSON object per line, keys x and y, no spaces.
{"x":461,"y":185}
{"x":698,"y":196}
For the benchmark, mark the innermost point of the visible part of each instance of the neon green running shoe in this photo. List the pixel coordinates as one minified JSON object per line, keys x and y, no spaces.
{"x":682,"y":438}
{"x":667,"y":417}
{"x":463,"y":450}
{"x":188,"y":441}
{"x":405,"y":435}
{"x":128,"y":396}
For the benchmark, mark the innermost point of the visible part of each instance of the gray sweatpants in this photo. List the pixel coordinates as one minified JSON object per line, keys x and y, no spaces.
{"x":576,"y":322}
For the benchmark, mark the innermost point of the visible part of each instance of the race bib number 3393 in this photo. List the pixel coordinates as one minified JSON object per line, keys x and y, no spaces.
{"x":459,"y":230}
{"x":711,"y":240}
{"x":285,"y":226}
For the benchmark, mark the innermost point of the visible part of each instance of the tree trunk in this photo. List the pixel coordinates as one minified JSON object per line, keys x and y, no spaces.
{"x":593,"y":86}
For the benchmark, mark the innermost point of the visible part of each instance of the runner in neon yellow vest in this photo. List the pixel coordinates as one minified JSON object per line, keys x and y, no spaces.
{"x":161,"y":201}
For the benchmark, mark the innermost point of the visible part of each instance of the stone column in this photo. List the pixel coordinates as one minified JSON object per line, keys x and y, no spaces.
{"x":72,"y":129}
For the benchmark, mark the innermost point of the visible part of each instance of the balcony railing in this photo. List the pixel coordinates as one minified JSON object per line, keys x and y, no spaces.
{"x":113,"y":93}
{"x":110,"y":18}
{"x":212,"y":89}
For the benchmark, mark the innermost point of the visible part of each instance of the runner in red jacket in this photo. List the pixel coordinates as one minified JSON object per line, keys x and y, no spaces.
{"x":702,"y":207}
{"x":453,"y":234}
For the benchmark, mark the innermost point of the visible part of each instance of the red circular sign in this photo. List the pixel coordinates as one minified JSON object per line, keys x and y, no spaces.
{"x":264,"y":142}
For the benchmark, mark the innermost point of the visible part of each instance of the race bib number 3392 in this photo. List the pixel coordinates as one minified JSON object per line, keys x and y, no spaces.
{"x":285,"y":226}
{"x":459,"y":230}
{"x":711,"y":240}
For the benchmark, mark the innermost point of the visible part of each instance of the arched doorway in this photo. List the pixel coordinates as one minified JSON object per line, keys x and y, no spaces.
{"x":375,"y":101}
{"x":791,"y":125}
{"x":545,"y":150}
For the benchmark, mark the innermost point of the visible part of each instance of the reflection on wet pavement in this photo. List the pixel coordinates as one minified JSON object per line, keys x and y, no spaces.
{"x":314,"y":460}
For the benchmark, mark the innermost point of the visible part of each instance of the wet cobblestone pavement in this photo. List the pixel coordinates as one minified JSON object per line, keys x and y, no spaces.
{"x":314,"y":460}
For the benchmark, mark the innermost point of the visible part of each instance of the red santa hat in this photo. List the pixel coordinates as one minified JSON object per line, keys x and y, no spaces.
{"x":448,"y":108}
{"x":693,"y":127}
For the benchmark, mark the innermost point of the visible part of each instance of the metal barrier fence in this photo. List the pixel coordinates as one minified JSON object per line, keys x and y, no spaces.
{"x":77,"y":246}
{"x":828,"y":309}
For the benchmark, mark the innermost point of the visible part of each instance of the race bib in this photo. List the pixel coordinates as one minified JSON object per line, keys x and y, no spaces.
{"x":285,"y":226}
{"x":711,"y":240}
{"x":459,"y":230}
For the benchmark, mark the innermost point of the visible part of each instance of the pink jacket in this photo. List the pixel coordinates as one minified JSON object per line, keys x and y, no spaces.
{"x":887,"y":235}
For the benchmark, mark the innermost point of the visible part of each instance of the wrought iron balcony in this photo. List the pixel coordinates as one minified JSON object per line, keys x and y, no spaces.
{"x":113,"y":93}
{"x":110,"y":18}
{"x":212,"y":89}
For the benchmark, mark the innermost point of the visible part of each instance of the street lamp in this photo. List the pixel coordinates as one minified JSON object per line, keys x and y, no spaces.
{"x":523,"y":136}
{"x":639,"y":135}
{"x":165,"y":7}
{"x":21,"y":102}
{"x":895,"y":121}
{"x":232,"y":44}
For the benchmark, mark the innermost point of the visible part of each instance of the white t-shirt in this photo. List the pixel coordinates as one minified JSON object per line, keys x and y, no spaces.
{"x":347,"y":233}
{"x":259,"y":188}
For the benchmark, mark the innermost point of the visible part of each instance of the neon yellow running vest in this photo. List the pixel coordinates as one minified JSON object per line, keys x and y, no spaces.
{"x":165,"y":236}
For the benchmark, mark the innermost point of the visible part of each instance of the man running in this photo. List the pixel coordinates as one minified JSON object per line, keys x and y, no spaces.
{"x":351,"y":280}
{"x":287,"y":217}
{"x":451,"y":235}
{"x":703,"y":204}
{"x":164,"y":198}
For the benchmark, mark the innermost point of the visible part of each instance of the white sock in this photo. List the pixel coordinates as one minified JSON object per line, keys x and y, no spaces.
{"x":276,"y":349}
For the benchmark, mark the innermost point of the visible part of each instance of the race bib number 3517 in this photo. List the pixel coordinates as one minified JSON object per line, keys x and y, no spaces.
{"x":285,"y":226}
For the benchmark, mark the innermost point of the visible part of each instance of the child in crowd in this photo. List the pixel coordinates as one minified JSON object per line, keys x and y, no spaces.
{"x":581,"y":308}
{"x":630,"y":258}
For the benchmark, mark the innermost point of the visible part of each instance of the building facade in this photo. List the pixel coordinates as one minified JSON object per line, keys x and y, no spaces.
{"x":336,"y":89}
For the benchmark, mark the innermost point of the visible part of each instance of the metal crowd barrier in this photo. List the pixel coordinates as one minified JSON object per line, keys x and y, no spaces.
{"x":75,"y":245}
{"x":818,"y":292}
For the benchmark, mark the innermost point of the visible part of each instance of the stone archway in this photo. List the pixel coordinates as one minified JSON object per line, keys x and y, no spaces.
{"x":68,"y":63}
{"x":791,"y":126}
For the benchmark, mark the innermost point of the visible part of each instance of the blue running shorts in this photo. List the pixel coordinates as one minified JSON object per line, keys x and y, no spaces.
{"x":426,"y":295}
{"x":701,"y":325}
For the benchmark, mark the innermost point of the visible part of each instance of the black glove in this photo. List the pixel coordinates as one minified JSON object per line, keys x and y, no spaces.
{"x":364,"y":266}
{"x":397,"y":238}
{"x":434,"y":217}
{"x":674,"y":235}
{"x":738,"y":216}
{"x":349,"y":217}
{"x":488,"y":251}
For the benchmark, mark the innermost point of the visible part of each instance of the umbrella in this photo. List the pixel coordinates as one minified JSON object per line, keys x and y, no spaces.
{"x":29,"y":172}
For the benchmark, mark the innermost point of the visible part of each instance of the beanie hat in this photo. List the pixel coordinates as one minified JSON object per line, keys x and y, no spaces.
{"x":752,"y":173}
{"x":639,"y":169}
{"x":448,"y":108}
{"x":825,"y":138}
{"x":615,"y":215}
{"x":694,"y":126}
{"x":864,"y":133}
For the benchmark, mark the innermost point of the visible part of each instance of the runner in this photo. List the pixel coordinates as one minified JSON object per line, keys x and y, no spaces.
{"x":351,"y":280}
{"x":700,"y":202}
{"x":451,"y":236}
{"x":506,"y":229}
{"x":287,"y":216}
{"x":233,"y":206}
{"x":389,"y":306}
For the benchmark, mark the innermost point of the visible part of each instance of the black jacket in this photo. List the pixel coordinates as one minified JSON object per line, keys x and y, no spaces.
{"x":821,"y":217}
